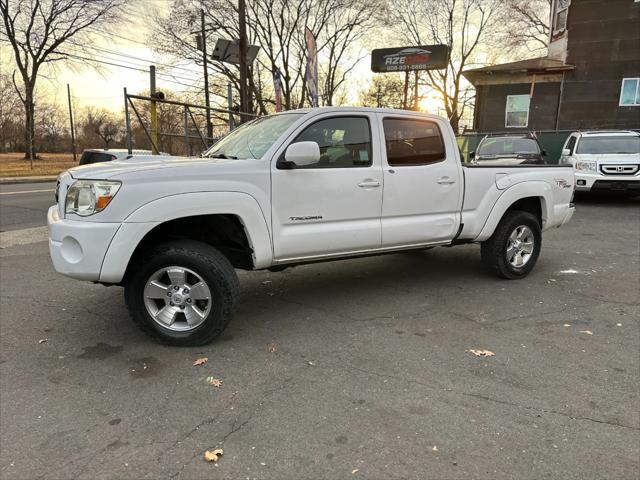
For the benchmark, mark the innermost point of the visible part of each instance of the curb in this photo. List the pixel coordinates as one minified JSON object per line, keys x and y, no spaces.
{"x":34,"y":179}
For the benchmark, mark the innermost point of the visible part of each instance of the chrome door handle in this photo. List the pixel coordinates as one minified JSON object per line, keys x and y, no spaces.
{"x":446,"y":181}
{"x":369,"y":184}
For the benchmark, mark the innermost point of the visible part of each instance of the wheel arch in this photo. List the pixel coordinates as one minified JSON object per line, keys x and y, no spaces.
{"x":532,"y":197}
{"x":230,"y":221}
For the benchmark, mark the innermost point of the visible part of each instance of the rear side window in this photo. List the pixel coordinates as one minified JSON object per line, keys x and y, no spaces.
{"x":95,"y":157}
{"x":412,"y":142}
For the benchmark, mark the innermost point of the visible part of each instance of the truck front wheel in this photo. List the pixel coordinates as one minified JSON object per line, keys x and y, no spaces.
{"x":182,"y":293}
{"x":513,"y":249}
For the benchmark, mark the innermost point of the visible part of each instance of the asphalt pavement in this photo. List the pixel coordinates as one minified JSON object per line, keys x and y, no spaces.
{"x":351,"y":369}
{"x":25,"y":205}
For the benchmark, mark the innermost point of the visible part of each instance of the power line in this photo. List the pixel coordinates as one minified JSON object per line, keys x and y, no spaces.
{"x":101,"y":61}
{"x":154,"y":62}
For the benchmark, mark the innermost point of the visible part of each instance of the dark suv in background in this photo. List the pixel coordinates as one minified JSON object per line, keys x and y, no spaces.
{"x":508,"y":149}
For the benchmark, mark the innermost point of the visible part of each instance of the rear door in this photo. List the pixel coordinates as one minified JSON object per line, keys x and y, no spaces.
{"x":422,"y":181}
{"x":332,"y":207}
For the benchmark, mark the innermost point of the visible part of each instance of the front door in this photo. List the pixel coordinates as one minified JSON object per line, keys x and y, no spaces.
{"x":332,"y":207}
{"x":422,"y":182}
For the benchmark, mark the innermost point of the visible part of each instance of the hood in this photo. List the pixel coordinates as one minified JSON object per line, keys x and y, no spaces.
{"x":613,"y":158}
{"x":116,"y":168}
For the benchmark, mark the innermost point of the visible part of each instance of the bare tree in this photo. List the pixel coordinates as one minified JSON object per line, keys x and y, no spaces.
{"x":35,"y":29}
{"x":277,"y":26}
{"x":10,"y":116}
{"x":528,"y":24}
{"x":103,"y":124}
{"x":463,"y":25}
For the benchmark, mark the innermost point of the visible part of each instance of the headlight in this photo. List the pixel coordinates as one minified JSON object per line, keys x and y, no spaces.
{"x":86,"y":197}
{"x":585,"y":166}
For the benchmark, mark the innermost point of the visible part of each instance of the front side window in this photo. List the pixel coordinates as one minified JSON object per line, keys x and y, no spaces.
{"x":630,"y":92}
{"x":609,"y":144}
{"x":345,"y":142}
{"x":517,"y":111}
{"x":412,"y":142}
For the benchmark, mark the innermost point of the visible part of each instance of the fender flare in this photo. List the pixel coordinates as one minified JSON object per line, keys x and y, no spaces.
{"x":538,"y":189}
{"x":142,"y":220}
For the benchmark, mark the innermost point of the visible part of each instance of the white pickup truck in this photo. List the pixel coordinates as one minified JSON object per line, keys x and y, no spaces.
{"x":286,"y":189}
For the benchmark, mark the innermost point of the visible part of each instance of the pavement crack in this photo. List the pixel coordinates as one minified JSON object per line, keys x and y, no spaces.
{"x":542,"y":410}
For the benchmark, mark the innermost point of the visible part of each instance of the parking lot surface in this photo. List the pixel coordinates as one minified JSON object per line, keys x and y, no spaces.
{"x":352,"y":369}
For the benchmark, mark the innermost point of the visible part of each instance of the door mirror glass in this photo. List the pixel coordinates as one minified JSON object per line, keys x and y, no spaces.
{"x":566,"y":152}
{"x":544,"y":153}
{"x":472,"y":155}
{"x":303,"y":153}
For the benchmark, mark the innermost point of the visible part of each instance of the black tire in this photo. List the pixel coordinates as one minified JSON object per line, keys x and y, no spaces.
{"x":494,"y":249}
{"x":208,"y":263}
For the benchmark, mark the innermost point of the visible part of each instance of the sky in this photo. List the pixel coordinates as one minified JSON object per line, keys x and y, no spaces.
{"x":125,"y":45}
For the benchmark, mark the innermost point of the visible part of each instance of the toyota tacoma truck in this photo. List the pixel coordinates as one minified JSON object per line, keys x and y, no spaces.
{"x":286,"y":189}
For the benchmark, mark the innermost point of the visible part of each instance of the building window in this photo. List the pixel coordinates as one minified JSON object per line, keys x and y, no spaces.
{"x":517,"y":111}
{"x":560,"y":14}
{"x":630,"y":92}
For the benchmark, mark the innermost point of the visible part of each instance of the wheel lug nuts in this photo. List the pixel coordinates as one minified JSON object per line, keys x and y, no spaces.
{"x":172,"y":304}
{"x":168,"y":294}
{"x":182,"y":307}
{"x":176,"y":288}
{"x":186,"y":290}
{"x":188,"y":300}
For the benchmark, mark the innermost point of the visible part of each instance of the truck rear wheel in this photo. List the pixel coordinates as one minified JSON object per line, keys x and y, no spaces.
{"x":182,"y":293}
{"x":513,"y":249}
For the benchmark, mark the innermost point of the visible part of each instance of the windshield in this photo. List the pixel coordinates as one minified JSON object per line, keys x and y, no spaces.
{"x":252,"y":139}
{"x":508,"y":146}
{"x":610,"y":144}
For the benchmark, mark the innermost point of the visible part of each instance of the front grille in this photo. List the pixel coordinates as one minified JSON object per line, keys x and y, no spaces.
{"x":619,"y":169}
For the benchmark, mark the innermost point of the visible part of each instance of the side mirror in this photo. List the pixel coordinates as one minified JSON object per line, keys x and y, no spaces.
{"x":544,"y":153}
{"x":303,"y":153}
{"x":566,"y":152}
{"x":472,"y":155}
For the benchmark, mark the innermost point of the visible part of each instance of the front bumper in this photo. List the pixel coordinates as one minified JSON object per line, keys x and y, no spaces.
{"x":78,"y":248}
{"x":586,"y":182}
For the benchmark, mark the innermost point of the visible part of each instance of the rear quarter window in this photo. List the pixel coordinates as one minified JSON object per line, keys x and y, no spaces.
{"x":95,"y":157}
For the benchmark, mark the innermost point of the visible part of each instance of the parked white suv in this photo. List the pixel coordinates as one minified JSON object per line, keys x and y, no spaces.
{"x":296,"y":187}
{"x":604,"y":160}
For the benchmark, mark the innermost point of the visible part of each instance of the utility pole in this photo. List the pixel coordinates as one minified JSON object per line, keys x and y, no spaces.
{"x":230,"y":105}
{"x":415,"y":92}
{"x":244,"y":71}
{"x":73,"y":133}
{"x":203,"y":33}
{"x":405,"y":95}
{"x":154,"y":109}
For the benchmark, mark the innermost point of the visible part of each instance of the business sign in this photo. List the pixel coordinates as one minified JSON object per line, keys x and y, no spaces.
{"x":427,"y":57}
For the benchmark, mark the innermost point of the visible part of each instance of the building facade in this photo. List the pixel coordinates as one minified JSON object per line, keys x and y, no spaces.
{"x":590,"y":78}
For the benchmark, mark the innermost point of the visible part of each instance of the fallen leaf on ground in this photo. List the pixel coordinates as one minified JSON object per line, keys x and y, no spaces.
{"x":588,"y":332}
{"x":354,"y":471}
{"x":213,"y":455}
{"x":271,"y":348}
{"x":200,"y":361}
{"x":482,"y":353}
{"x":618,"y":324}
{"x":215,"y":382}
{"x":43,"y":340}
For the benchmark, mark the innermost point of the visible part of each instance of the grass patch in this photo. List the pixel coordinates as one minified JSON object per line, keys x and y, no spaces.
{"x":14,"y":164}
